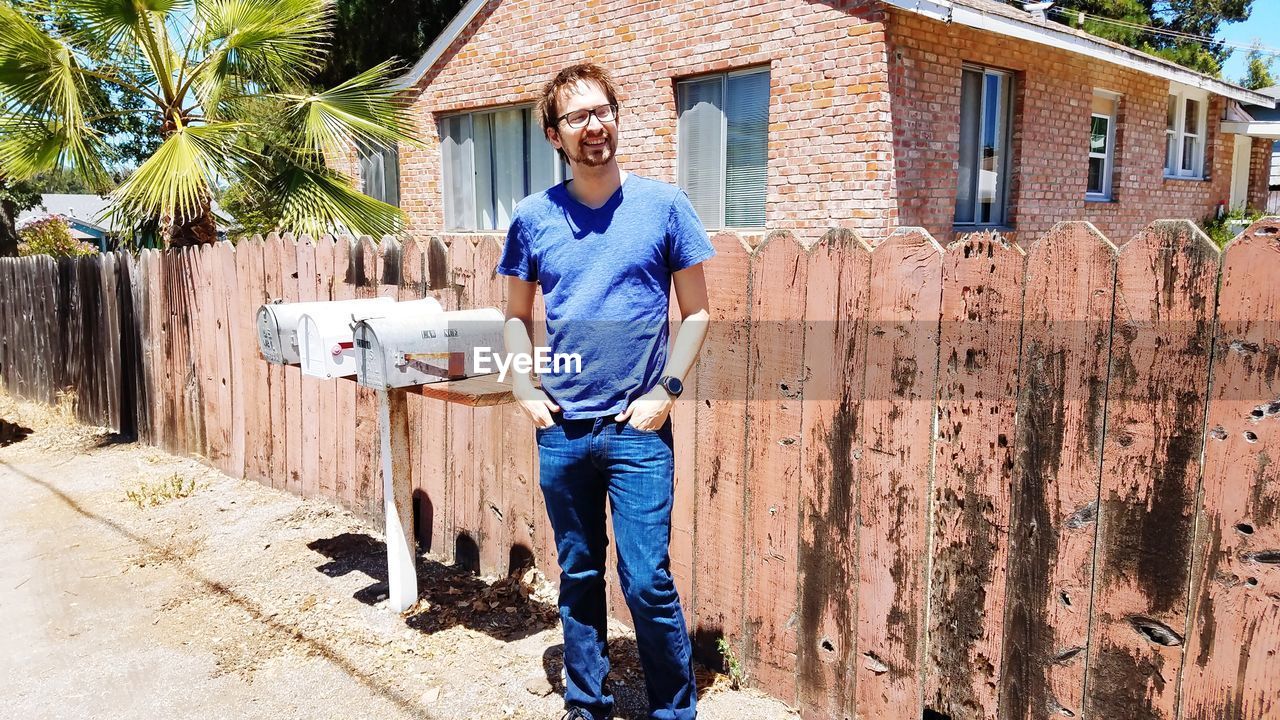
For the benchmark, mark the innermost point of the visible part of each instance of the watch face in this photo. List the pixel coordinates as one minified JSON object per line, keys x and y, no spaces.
{"x":673,"y":386}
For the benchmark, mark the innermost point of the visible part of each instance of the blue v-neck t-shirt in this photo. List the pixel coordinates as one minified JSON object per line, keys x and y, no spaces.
{"x":605,"y":275}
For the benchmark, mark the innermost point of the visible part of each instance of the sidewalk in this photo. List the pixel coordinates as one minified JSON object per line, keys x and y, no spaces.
{"x":242,"y":601}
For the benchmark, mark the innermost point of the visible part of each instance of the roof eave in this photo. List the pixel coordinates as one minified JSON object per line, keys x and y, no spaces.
{"x":1047,"y":34}
{"x":442,"y":42}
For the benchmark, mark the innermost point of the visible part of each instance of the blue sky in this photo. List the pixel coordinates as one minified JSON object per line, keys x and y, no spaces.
{"x":1263,"y":24}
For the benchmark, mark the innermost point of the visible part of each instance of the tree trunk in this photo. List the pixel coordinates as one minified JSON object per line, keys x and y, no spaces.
{"x":199,"y":230}
{"x":8,"y":229}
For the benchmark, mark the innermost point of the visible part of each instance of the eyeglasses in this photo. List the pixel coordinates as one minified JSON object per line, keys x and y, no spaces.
{"x":580,"y":118}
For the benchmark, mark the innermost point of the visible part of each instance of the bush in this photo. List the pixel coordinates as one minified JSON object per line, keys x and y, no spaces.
{"x":1222,"y":230}
{"x":51,"y":236}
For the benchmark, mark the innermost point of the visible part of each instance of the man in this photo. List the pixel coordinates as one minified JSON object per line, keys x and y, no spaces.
{"x":605,"y":248}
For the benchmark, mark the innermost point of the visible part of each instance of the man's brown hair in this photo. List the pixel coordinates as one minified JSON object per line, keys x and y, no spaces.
{"x":548,"y":105}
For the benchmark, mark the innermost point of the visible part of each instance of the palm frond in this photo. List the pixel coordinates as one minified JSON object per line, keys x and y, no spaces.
{"x":38,"y":75}
{"x":317,"y":200}
{"x":270,"y":44}
{"x":362,"y":110}
{"x":29,"y":146}
{"x":175,"y":182}
{"x":115,"y":21}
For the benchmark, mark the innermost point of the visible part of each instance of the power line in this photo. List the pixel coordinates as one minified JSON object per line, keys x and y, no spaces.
{"x":1175,"y":34}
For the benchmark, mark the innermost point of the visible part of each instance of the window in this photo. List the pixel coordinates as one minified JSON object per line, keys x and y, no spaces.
{"x":986,"y":129}
{"x":1102,"y":145}
{"x":1185,"y":124}
{"x":380,"y":173}
{"x":724,"y":147}
{"x":491,"y":161}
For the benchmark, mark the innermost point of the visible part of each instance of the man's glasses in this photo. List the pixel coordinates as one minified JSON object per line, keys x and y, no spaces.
{"x":579,"y":118}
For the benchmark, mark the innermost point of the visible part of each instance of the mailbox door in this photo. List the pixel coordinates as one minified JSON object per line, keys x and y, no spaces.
{"x":269,"y":335}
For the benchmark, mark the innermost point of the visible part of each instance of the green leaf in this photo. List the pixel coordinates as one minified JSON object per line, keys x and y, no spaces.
{"x":29,"y":146}
{"x":362,"y":110}
{"x":38,"y":74}
{"x":271,"y":44}
{"x":316,"y":201}
{"x":176,"y":181}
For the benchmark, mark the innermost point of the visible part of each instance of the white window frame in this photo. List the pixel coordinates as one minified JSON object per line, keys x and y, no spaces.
{"x":1006,"y":169}
{"x":1108,"y":156}
{"x":1173,"y":169}
{"x":721,"y":224}
{"x":454,"y":224}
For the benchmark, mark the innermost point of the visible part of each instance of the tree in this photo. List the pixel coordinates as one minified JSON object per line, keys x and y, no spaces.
{"x":1258,"y":69}
{"x":206,"y":69}
{"x":14,"y":198}
{"x":1189,"y":17}
{"x":368,"y":32}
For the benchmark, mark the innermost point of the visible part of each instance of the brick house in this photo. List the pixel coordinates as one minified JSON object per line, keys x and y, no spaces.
{"x":953,"y":115}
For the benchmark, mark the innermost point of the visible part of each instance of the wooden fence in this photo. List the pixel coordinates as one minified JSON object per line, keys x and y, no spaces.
{"x":985,"y":481}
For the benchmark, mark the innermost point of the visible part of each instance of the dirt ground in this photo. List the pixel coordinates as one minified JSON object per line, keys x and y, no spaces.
{"x":240,"y":601}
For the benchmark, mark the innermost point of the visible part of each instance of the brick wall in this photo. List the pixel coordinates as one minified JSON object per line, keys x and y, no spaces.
{"x":826,"y":64}
{"x":864,"y":110}
{"x":1053,"y":93}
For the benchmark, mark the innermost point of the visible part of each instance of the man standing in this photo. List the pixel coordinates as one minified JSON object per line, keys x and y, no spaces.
{"x":605,"y":248}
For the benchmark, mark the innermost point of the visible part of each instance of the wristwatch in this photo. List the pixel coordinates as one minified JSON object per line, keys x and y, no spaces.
{"x":672,"y":385}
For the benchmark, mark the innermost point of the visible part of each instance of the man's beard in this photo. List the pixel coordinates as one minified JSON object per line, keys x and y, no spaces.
{"x":594,"y":157}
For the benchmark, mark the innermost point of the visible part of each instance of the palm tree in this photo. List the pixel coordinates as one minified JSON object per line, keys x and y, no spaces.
{"x":225,"y":81}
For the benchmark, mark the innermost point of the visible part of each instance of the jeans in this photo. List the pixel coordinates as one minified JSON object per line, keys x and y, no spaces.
{"x":583,"y":462}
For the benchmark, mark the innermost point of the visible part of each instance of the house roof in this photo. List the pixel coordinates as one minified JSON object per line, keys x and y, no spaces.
{"x":990,"y":15}
{"x":998,"y":17}
{"x":88,"y":210}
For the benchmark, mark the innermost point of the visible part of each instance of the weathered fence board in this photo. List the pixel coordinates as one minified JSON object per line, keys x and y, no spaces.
{"x":897,"y":421}
{"x":835,"y":346}
{"x":1234,"y":635}
{"x":982,"y":277}
{"x":1070,"y":282}
{"x":779,"y":274}
{"x":1156,"y":398}
{"x":721,"y":446}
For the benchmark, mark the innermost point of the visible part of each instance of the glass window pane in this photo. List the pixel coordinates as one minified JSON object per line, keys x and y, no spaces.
{"x":1190,"y":149}
{"x":1192,"y":122}
{"x":458,"y":186}
{"x":482,"y":143}
{"x":544,"y":162}
{"x":991,"y":169}
{"x":1170,"y":152}
{"x":1171,"y":119}
{"x":1098,"y":135}
{"x":391,"y":175}
{"x":701,"y":147}
{"x":970,"y":116}
{"x":1096,"y":169}
{"x":509,"y":182}
{"x":746,"y":149}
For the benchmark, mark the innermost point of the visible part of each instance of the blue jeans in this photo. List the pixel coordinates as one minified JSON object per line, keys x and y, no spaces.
{"x":583,"y":462}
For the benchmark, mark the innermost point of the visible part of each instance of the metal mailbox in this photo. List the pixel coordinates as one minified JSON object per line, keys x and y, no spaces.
{"x":402,"y":352}
{"x":278,"y":325}
{"x":325,"y":333}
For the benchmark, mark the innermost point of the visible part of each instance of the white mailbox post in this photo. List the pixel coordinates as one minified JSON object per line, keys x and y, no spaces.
{"x":325,"y":333}
{"x":399,"y":351}
{"x":278,"y":324}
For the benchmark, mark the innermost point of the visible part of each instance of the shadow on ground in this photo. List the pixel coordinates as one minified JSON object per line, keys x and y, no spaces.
{"x":11,"y":433}
{"x":453,"y":595}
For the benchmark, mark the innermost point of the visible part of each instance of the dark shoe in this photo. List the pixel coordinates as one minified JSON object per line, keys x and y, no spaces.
{"x":576,"y":714}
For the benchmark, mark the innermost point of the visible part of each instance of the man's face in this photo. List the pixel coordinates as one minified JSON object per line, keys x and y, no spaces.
{"x":594,"y":144}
